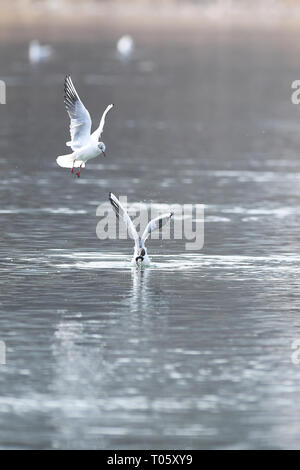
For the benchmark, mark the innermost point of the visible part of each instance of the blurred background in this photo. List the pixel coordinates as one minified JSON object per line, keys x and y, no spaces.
{"x":53,"y":13}
{"x":196,"y":351}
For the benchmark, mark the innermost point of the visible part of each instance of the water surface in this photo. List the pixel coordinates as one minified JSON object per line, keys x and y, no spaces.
{"x":194,"y":352}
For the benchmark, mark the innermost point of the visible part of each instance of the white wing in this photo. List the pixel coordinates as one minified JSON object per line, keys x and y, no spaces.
{"x":97,"y":134}
{"x":156,"y":223}
{"x":121,"y":212}
{"x":80,"y":126}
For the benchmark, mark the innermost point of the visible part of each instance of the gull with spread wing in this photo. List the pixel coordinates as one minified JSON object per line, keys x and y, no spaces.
{"x":140,"y":256}
{"x":85,"y":145}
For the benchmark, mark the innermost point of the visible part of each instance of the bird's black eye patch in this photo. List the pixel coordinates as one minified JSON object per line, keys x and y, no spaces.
{"x":143,"y":252}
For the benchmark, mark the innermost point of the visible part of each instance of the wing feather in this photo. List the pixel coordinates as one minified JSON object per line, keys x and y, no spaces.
{"x":155,"y":224}
{"x":97,"y":133}
{"x":80,"y":125}
{"x":121,"y":213}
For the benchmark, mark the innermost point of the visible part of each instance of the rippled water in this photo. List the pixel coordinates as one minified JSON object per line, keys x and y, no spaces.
{"x":195,"y":351}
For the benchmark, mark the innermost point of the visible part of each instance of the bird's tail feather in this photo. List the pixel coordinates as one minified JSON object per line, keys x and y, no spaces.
{"x":68,"y":161}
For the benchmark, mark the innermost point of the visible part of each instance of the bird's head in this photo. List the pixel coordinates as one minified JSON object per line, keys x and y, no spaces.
{"x":141,"y":255}
{"x":101,"y":147}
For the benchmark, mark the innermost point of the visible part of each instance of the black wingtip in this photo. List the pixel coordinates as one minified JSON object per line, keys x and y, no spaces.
{"x":67,"y":81}
{"x":111,"y":200}
{"x":114,"y":205}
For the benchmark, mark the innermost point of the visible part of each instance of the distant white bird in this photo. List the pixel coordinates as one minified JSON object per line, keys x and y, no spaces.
{"x":38,"y":53}
{"x":125,"y":46}
{"x":85,"y":145}
{"x":140,"y":256}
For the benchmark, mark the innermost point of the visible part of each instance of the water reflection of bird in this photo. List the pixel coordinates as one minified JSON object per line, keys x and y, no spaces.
{"x":38,"y":53}
{"x":140,"y":257}
{"x":140,"y":283}
{"x":140,"y":297}
{"x":148,"y":299}
{"x":85,"y":145}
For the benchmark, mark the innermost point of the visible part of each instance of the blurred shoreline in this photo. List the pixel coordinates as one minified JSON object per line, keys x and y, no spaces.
{"x":60,"y":18}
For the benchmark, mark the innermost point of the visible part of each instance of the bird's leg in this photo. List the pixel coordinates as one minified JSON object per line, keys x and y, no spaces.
{"x":72,"y":171}
{"x":78,"y":172}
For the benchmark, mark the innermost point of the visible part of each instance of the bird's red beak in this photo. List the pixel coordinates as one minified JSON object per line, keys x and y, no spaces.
{"x":104,"y":154}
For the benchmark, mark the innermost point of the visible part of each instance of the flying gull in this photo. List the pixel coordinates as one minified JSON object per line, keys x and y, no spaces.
{"x":85,"y":145}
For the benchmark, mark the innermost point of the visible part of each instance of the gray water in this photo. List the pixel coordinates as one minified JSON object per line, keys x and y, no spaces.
{"x":195,"y":351}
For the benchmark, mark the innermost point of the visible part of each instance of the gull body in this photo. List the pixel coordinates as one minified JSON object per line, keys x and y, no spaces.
{"x":85,"y":145}
{"x":79,"y":158}
{"x":140,"y":255}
